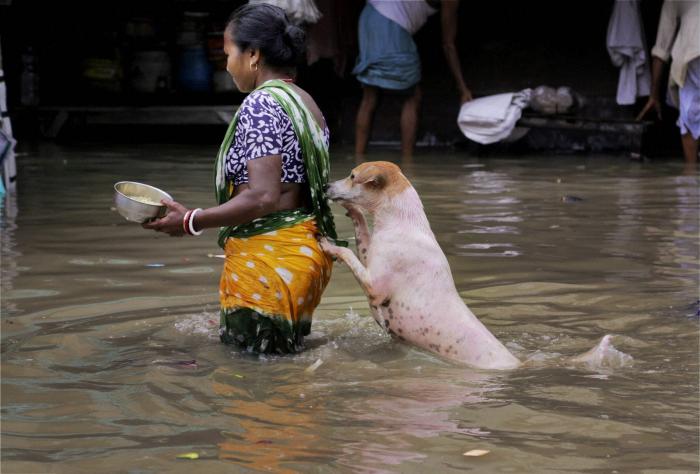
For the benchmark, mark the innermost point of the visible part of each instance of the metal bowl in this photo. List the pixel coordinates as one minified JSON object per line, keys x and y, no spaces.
{"x":139,"y":202}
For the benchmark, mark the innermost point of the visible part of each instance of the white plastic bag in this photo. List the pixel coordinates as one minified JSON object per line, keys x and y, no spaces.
{"x":548,"y":100}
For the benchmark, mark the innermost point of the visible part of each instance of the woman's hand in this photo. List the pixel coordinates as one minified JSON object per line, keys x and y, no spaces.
{"x":171,"y":224}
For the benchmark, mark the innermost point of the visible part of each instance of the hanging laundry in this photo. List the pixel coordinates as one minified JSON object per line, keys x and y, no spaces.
{"x":628,"y":51}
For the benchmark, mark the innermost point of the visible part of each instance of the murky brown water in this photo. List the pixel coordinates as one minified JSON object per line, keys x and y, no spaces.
{"x":97,"y":313}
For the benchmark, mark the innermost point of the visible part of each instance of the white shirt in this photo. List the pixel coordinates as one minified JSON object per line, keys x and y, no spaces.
{"x":411,"y":15}
{"x":684,"y":46}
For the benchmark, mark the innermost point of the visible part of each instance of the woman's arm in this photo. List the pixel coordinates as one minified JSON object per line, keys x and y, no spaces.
{"x":260,"y":197}
{"x":448,"y":19}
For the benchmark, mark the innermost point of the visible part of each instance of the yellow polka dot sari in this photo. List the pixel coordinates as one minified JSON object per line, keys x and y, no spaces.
{"x":270,"y":286}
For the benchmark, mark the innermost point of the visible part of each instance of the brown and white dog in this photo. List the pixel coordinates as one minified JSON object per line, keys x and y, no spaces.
{"x":404,"y":272}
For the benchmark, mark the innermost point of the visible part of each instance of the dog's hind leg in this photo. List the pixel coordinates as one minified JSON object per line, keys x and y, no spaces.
{"x":350,"y":259}
{"x":362,"y":235}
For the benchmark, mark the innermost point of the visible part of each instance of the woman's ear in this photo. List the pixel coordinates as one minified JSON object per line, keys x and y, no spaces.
{"x":254,"y":56}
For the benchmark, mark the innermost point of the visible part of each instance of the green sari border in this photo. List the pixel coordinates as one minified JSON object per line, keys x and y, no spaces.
{"x":261,"y":333}
{"x":262,"y":225}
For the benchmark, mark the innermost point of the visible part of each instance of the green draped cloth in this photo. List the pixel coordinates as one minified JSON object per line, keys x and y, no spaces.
{"x":316,"y":161}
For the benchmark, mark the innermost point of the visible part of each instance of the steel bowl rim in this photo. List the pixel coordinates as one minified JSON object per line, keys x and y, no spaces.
{"x":140,"y":184}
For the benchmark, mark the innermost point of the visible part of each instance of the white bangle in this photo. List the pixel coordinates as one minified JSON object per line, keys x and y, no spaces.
{"x":190,"y":225}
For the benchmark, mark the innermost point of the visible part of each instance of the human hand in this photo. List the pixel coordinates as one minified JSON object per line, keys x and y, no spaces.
{"x":654,"y":103}
{"x":465,"y":96}
{"x":171,"y":224}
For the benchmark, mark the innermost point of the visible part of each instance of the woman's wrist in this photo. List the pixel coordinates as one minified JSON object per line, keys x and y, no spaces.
{"x":188,"y":222}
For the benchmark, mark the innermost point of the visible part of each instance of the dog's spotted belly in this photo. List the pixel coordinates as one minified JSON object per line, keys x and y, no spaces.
{"x":445,"y":334}
{"x":389,"y":315}
{"x":408,"y":324}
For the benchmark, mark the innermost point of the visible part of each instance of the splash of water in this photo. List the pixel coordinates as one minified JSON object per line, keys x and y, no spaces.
{"x":201,"y":323}
{"x":604,"y":355}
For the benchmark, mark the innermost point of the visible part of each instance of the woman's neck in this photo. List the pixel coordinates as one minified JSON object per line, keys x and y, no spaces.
{"x":269,"y":74}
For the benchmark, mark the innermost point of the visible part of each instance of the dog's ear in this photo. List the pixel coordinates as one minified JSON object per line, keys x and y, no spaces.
{"x":372,"y":176}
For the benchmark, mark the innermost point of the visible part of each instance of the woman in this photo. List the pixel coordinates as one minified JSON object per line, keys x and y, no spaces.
{"x":270,"y":172}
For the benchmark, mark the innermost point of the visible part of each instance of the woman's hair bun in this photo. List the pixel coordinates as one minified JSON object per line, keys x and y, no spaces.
{"x":296,"y":38}
{"x":267,"y":28}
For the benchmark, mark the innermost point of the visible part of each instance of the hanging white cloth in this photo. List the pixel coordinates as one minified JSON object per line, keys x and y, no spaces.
{"x":492,"y":119}
{"x":299,"y":11}
{"x":628,"y":51}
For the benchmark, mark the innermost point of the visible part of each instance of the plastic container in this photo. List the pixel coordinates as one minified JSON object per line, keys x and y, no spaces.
{"x":195,"y":72}
{"x":151,"y":71}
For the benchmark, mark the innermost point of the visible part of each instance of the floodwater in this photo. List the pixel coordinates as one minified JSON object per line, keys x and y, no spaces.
{"x":111,"y":360}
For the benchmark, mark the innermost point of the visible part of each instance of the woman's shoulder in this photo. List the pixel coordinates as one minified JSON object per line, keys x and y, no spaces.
{"x":259,"y":101}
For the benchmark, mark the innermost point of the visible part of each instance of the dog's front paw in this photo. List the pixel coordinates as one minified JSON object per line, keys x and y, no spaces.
{"x":327,"y":247}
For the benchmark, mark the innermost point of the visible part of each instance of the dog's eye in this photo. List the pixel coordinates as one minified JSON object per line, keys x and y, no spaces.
{"x":352,"y":176}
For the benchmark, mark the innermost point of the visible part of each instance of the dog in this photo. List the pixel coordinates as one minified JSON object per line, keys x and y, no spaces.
{"x":404,"y":272}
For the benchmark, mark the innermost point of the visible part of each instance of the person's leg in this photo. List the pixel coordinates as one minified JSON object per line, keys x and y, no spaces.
{"x":409,"y":122}
{"x":690,"y":147}
{"x":363,"y":122}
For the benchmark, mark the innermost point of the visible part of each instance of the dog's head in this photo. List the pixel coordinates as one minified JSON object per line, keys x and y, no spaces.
{"x":369,"y":185}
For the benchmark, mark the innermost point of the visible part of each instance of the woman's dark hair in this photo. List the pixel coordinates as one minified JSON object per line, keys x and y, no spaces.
{"x":267,"y":28}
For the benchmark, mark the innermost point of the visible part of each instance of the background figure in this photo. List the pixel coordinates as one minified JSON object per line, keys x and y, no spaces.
{"x":680,"y":43}
{"x":389,"y":61}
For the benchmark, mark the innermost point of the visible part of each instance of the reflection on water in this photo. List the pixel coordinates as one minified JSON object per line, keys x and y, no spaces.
{"x":10,"y":253}
{"x":110,"y":357}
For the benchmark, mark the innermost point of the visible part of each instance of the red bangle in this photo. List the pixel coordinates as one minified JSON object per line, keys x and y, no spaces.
{"x":185,"y":222}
